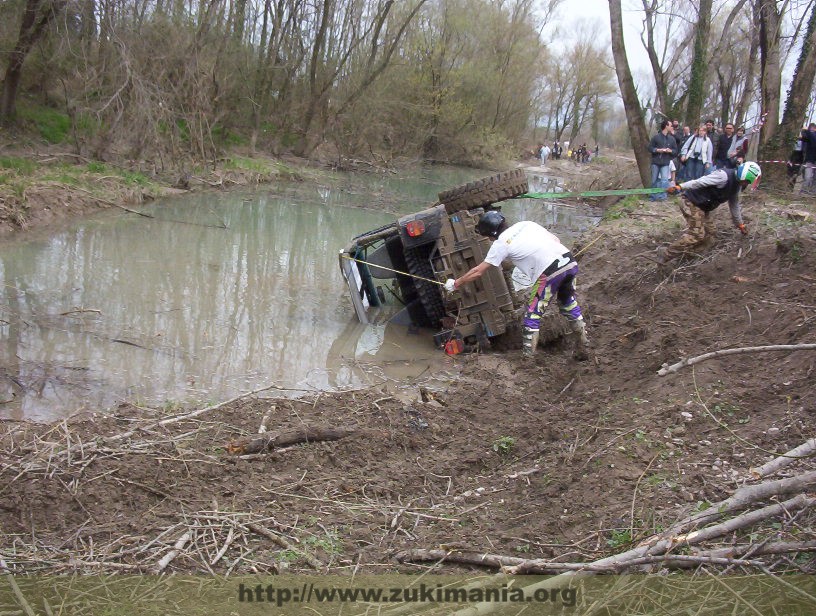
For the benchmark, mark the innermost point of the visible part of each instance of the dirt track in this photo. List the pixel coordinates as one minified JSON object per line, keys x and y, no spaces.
{"x":532,"y":458}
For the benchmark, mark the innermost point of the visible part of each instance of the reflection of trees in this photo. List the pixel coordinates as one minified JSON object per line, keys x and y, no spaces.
{"x":209,"y":306}
{"x":30,"y":370}
{"x":10,"y":327}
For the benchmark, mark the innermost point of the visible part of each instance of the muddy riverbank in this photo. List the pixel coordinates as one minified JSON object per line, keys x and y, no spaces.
{"x":545,"y":458}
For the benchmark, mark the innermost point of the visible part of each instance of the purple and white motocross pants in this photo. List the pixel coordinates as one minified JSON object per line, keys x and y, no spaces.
{"x":559,"y":284}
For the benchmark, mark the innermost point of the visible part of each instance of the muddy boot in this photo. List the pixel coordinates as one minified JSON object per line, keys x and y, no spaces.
{"x":663,"y":256}
{"x":581,"y":348}
{"x":529,"y":341}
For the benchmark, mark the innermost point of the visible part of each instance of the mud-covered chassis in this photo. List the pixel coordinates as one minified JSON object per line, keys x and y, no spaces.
{"x":436,"y":244}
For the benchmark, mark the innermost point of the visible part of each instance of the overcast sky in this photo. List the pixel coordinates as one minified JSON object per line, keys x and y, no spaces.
{"x":572,"y":12}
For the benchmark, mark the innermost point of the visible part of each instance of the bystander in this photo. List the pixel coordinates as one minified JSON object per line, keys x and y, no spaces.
{"x":663,"y":148}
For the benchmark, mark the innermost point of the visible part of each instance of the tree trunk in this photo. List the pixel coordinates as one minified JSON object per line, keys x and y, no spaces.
{"x":631,"y":104}
{"x":661,"y":102}
{"x":699,"y":63}
{"x":748,"y":91}
{"x":316,"y":92}
{"x":778,"y":147}
{"x":36,"y":17}
{"x":770,"y":24}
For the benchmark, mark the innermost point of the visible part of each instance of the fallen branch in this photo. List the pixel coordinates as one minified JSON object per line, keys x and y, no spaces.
{"x":667,"y":369}
{"x":663,"y":543}
{"x":732,"y":555}
{"x":78,"y":310}
{"x":748,"y":518}
{"x":496,"y":561}
{"x":806,"y":449}
{"x":177,"y":548}
{"x":220,"y":554}
{"x":652,"y":552}
{"x":181,"y":222}
{"x":127,"y":209}
{"x":745,"y":496}
{"x":271,"y":441}
{"x":779,"y":547}
{"x":493,"y":561}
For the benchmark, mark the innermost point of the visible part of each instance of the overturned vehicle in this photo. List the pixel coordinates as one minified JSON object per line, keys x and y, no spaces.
{"x":411,"y":258}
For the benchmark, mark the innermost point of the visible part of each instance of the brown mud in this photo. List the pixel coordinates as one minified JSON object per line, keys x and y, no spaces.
{"x":547,"y":457}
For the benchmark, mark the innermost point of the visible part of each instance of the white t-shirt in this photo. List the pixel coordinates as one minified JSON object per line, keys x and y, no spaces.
{"x":529,"y":246}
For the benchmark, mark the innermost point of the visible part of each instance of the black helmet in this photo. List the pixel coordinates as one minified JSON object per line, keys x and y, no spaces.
{"x":490,"y":224}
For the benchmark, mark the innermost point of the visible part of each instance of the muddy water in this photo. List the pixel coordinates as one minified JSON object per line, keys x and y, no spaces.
{"x":216,"y":295}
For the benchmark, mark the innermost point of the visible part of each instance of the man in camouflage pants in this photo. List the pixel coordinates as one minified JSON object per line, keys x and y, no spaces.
{"x":701,"y":197}
{"x":700,"y":229}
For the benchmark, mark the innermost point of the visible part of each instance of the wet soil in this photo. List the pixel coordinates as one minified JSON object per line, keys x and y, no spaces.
{"x":543,"y":457}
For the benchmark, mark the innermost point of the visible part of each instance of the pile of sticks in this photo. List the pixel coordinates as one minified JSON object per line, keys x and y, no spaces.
{"x":761,"y":500}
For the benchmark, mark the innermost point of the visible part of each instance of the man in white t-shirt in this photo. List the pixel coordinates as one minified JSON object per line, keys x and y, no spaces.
{"x":541,"y":256}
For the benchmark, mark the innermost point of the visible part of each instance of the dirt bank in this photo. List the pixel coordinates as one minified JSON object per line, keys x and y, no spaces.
{"x":543,"y":458}
{"x":45,"y":185}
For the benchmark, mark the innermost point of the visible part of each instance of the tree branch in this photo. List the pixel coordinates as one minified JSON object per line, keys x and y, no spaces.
{"x":666,"y":369}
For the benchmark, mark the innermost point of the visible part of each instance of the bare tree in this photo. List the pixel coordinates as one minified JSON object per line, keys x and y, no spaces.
{"x":770,"y":31}
{"x":631,"y":103}
{"x":666,"y":51}
{"x":699,"y":62}
{"x":796,"y":106}
{"x":735,"y":68}
{"x":370,"y":37}
{"x":37,"y":15}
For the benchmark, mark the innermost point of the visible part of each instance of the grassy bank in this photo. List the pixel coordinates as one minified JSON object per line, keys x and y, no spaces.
{"x":45,"y":176}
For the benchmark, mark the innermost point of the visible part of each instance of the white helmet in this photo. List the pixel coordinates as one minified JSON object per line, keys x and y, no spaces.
{"x":749,"y":172}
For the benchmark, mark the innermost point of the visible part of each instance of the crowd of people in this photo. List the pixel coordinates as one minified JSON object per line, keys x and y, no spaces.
{"x":682,"y":155}
{"x":708,"y":148}
{"x":580,"y":154}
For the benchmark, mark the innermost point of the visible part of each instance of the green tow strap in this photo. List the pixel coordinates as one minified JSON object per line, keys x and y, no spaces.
{"x":592,"y":193}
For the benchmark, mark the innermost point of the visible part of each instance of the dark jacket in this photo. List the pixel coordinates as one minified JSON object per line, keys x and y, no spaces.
{"x":809,"y":146}
{"x":721,"y":146}
{"x":660,"y":141}
{"x":709,"y":198}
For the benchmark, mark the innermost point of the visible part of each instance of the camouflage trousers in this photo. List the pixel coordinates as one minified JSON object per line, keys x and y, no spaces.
{"x":699,"y":229}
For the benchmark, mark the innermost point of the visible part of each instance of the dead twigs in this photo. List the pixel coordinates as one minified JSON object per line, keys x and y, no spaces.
{"x":18,"y":594}
{"x":280,"y":541}
{"x":122,"y":436}
{"x":202,"y":540}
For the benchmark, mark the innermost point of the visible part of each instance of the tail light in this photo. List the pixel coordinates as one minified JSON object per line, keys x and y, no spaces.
{"x":415,"y":228}
{"x":454,"y":346}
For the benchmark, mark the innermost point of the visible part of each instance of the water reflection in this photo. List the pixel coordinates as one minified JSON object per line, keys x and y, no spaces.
{"x":125,"y":307}
{"x":566,"y":220}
